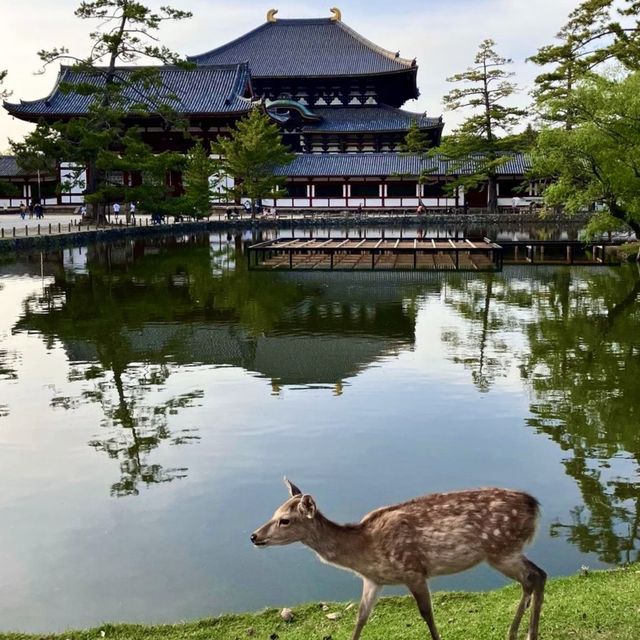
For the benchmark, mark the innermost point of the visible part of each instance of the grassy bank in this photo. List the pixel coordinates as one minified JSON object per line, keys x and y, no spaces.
{"x":603,"y":605}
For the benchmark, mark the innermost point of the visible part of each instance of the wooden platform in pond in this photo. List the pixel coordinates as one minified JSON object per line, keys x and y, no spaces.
{"x":390,"y":254}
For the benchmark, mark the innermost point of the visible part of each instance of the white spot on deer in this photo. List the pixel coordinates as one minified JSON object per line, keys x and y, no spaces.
{"x":497,"y":533}
{"x":514,"y":512}
{"x":485,"y":536}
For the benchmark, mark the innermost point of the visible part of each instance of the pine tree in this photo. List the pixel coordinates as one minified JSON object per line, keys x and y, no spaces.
{"x":476,"y":141}
{"x":250,"y":156}
{"x":416,"y":141}
{"x":197,"y":180}
{"x":597,"y":31}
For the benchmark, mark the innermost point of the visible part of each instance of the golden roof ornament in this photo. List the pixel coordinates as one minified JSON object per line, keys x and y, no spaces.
{"x":271,"y":15}
{"x":337,"y":14}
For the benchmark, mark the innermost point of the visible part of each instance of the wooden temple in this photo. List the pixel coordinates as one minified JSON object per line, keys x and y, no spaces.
{"x":337,"y":97}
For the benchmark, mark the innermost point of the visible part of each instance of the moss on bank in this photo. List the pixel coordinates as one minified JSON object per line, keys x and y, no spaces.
{"x":603,"y":605}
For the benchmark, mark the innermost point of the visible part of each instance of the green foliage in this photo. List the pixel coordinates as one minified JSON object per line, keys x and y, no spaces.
{"x":600,"y":604}
{"x":8,"y":189}
{"x":250,"y":155}
{"x":197,"y":179}
{"x":416,"y":141}
{"x":597,"y":31}
{"x":485,"y":89}
{"x":597,"y":162}
{"x":102,"y":141}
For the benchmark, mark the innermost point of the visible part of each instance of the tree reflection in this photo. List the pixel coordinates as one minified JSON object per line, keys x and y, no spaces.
{"x":478,"y":344}
{"x":129,"y":320}
{"x":584,"y":370}
{"x":582,"y":365}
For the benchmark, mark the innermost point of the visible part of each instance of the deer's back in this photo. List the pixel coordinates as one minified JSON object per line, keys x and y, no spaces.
{"x":448,"y":532}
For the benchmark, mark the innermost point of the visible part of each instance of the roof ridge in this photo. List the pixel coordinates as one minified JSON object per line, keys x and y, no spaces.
{"x":240,"y":81}
{"x":372,"y":45}
{"x":227,"y":45}
{"x":133,"y":67}
{"x":61,"y":72}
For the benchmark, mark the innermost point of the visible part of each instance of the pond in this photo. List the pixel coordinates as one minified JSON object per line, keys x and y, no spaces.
{"x":154,"y":392}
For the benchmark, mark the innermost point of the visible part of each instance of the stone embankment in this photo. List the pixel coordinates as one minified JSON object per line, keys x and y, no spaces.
{"x":52,"y":235}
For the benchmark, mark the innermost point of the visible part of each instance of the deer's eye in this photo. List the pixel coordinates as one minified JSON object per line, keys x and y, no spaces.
{"x":284,"y":522}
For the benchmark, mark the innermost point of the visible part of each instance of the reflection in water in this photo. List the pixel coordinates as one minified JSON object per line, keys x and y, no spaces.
{"x":129,"y":314}
{"x":407,"y":379}
{"x":584,"y":370}
{"x":582,"y":365}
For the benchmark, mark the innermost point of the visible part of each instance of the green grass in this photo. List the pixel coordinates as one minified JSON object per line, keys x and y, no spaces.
{"x":602,"y":605}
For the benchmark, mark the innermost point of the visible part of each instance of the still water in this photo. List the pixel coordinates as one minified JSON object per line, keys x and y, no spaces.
{"x":154,"y":393}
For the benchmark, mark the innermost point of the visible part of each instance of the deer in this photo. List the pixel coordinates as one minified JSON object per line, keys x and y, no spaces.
{"x":411,"y":542}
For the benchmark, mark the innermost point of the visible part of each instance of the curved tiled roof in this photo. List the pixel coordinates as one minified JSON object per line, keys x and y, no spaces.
{"x":369,"y":118}
{"x":204,"y":89}
{"x":388,"y":164}
{"x":9,"y":167}
{"x":306,"y":48}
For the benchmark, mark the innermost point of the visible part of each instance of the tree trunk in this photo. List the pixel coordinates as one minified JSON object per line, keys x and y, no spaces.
{"x":492,"y":194}
{"x":618,"y":212}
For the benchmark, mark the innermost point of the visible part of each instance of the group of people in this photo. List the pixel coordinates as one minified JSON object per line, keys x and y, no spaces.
{"x":34,"y":209}
{"x":130,"y":214}
{"x":116,"y":209}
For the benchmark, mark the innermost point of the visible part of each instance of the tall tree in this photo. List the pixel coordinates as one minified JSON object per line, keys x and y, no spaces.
{"x":126,"y":33}
{"x":250,"y":156}
{"x":486,"y":87}
{"x":590,"y":37}
{"x":595,"y":165}
{"x":198,"y":175}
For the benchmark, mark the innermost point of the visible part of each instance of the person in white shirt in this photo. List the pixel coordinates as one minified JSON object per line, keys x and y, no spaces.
{"x":116,"y":210}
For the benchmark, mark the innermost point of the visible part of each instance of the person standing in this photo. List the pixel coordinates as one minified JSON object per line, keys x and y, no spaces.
{"x":23,"y":210}
{"x":116,"y":211}
{"x":39,"y":210}
{"x":132,"y":213}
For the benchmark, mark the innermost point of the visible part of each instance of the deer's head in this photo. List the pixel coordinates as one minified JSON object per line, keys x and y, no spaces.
{"x":292,"y":521}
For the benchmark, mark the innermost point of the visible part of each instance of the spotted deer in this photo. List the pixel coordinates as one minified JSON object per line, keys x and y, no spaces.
{"x":408,"y":543}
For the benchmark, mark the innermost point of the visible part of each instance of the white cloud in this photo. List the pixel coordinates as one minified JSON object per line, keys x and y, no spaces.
{"x":443,"y":35}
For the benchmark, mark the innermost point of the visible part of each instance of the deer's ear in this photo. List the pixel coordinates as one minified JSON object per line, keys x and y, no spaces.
{"x":307,"y":506}
{"x":293,"y":490}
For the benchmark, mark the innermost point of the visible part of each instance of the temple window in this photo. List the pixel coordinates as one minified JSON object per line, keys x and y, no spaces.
{"x":401,"y":189}
{"x":328,"y":190}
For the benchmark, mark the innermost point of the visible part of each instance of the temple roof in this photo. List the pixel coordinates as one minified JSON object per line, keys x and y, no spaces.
{"x":204,"y":89}
{"x":306,"y":48}
{"x":369,"y":119}
{"x":388,"y":164}
{"x":9,"y":167}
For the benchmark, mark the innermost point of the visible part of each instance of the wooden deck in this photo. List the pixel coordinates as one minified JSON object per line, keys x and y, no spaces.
{"x":388,"y":254}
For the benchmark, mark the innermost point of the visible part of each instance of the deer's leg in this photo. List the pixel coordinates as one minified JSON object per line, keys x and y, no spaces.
{"x":420,"y":592}
{"x":532,"y":580}
{"x":370,"y":592}
{"x":538,"y":597}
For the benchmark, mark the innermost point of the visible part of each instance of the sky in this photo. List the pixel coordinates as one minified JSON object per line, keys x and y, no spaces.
{"x":442,"y":34}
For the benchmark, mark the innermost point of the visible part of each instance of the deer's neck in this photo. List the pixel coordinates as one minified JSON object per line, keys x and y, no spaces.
{"x":342,"y":545}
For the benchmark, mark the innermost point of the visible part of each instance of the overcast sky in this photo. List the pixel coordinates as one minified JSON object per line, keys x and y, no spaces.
{"x":442,"y":34}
